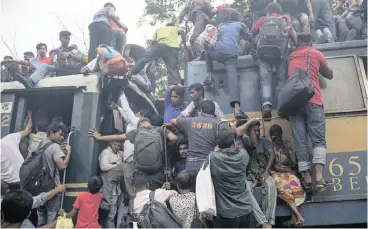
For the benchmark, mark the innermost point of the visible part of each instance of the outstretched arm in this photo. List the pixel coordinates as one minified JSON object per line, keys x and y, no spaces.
{"x":116,"y":137}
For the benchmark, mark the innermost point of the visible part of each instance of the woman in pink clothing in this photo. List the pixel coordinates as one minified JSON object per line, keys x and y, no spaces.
{"x":87,"y":205}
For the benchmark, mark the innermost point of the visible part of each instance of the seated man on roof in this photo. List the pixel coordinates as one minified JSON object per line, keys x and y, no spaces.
{"x":5,"y":75}
{"x":66,"y":60}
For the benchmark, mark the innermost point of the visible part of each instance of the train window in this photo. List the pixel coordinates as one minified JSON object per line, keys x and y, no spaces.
{"x":344,"y":92}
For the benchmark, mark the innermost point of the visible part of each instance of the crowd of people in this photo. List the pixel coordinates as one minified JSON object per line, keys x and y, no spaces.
{"x":158,"y":158}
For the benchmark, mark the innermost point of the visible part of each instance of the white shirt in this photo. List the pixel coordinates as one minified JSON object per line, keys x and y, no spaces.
{"x":142,"y":198}
{"x":191,"y":107}
{"x":34,"y":141}
{"x":11,"y":158}
{"x":109,"y":160}
{"x":131,"y":120}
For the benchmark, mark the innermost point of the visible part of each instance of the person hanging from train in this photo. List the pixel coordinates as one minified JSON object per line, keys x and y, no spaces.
{"x":310,"y":120}
{"x":199,"y":13}
{"x":118,"y":36}
{"x":284,"y":173}
{"x":196,"y":91}
{"x":165,"y":45}
{"x":148,"y":144}
{"x":272,"y":52}
{"x":109,"y":158}
{"x":225,"y":51}
{"x":262,"y":157}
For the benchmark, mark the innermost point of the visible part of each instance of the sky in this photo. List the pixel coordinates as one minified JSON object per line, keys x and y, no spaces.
{"x":26,"y":23}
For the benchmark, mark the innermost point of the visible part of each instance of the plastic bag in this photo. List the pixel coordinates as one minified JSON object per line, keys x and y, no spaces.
{"x":63,"y":222}
{"x":205,"y":191}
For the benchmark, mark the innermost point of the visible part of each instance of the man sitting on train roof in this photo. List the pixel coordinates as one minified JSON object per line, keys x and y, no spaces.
{"x":5,"y":75}
{"x":196,"y":91}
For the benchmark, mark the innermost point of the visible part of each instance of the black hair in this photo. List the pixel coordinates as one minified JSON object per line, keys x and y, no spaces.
{"x":157,"y":120}
{"x":274,"y":8}
{"x":42,"y":124}
{"x":207,"y":107}
{"x":16,"y":206}
{"x":180,"y":91}
{"x":109,"y":4}
{"x":64,"y":33}
{"x":58,"y":119}
{"x":8,"y":57}
{"x":304,"y":38}
{"x":52,"y":51}
{"x":54,"y":127}
{"x":225,"y":136}
{"x":183,"y":180}
{"x":140,"y":180}
{"x":40,"y":45}
{"x":183,"y":141}
{"x":94,"y":184}
{"x":29,"y":54}
{"x":4,"y":188}
{"x":276,"y":131}
{"x":197,"y":87}
{"x":234,"y":15}
{"x":170,"y":24}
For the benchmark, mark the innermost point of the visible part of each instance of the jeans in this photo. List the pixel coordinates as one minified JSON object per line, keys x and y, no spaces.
{"x":237,"y":222}
{"x":110,"y":219}
{"x":300,"y":23}
{"x":49,"y":211}
{"x":309,"y":121}
{"x":231,"y":70}
{"x":199,"y":25}
{"x":326,"y":32}
{"x":42,"y":70}
{"x":170,"y":56}
{"x":99,"y":33}
{"x":150,"y":70}
{"x":266,"y":76}
{"x":142,"y":81}
{"x":122,"y":210}
{"x":323,"y":12}
{"x":123,"y":171}
{"x":118,"y":40}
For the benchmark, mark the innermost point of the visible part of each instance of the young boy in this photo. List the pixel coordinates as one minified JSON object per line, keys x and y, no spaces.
{"x":87,"y":205}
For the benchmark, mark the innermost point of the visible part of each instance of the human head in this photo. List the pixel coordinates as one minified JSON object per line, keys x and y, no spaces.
{"x":225,"y":136}
{"x":27,"y":56}
{"x":183,"y":148}
{"x":248,"y":20}
{"x":8,"y":58}
{"x":254,"y":130}
{"x":52,"y":53}
{"x":274,"y":8}
{"x":41,"y":49}
{"x":184,"y":181}
{"x":275,"y":133}
{"x":143,"y":122}
{"x":42,"y":124}
{"x":304,"y":39}
{"x":56,"y":131}
{"x":115,"y":146}
{"x":170,"y":24}
{"x":196,"y":91}
{"x":64,"y":37}
{"x":207,"y":107}
{"x":109,"y":4}
{"x":140,"y":181}
{"x":16,"y":206}
{"x":177,"y":95}
{"x":157,"y":120}
{"x":94,"y":184}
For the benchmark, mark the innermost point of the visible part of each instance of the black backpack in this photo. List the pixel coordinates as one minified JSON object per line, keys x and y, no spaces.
{"x":148,"y":150}
{"x":273,"y":39}
{"x":34,"y":173}
{"x":157,"y":215}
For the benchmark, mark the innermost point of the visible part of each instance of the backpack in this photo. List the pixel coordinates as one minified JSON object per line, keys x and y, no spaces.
{"x":273,"y":38}
{"x":111,"y":62}
{"x":148,"y":150}
{"x":34,"y":173}
{"x":157,"y":215}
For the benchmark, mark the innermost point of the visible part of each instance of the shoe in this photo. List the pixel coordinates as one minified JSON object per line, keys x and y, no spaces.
{"x":238,"y":114}
{"x":267,"y":112}
{"x":351,"y":35}
{"x":22,"y":80}
{"x":208,"y":81}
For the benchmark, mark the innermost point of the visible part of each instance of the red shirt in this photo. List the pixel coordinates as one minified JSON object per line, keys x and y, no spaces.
{"x":298,"y":59}
{"x":87,"y":204}
{"x":220,"y":7}
{"x":46,"y":60}
{"x":257,"y":27}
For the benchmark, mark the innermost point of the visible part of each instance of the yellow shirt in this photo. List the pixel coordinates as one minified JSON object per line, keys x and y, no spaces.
{"x":167,"y":35}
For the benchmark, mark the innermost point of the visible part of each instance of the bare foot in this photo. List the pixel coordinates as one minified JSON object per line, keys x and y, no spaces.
{"x":266,"y":225}
{"x":300,"y":221}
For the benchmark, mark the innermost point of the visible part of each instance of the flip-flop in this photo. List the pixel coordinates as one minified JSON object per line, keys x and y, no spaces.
{"x":322,"y":185}
{"x":306,"y":185}
{"x":300,"y":223}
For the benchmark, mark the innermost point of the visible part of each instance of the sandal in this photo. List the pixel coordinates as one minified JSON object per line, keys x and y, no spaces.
{"x":307,"y":186}
{"x":300,"y":223}
{"x":322,"y":185}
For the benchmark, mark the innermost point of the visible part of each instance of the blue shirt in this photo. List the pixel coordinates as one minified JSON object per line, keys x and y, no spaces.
{"x":171,"y":111}
{"x":229,"y":35}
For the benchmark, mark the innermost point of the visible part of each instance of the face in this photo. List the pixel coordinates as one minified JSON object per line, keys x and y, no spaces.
{"x":65,"y":40}
{"x":58,"y":136}
{"x":175,"y":99}
{"x":115,"y":146}
{"x":27,"y":57}
{"x":194,"y":95}
{"x":183,"y":150}
{"x":255,"y":131}
{"x":42,"y":51}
